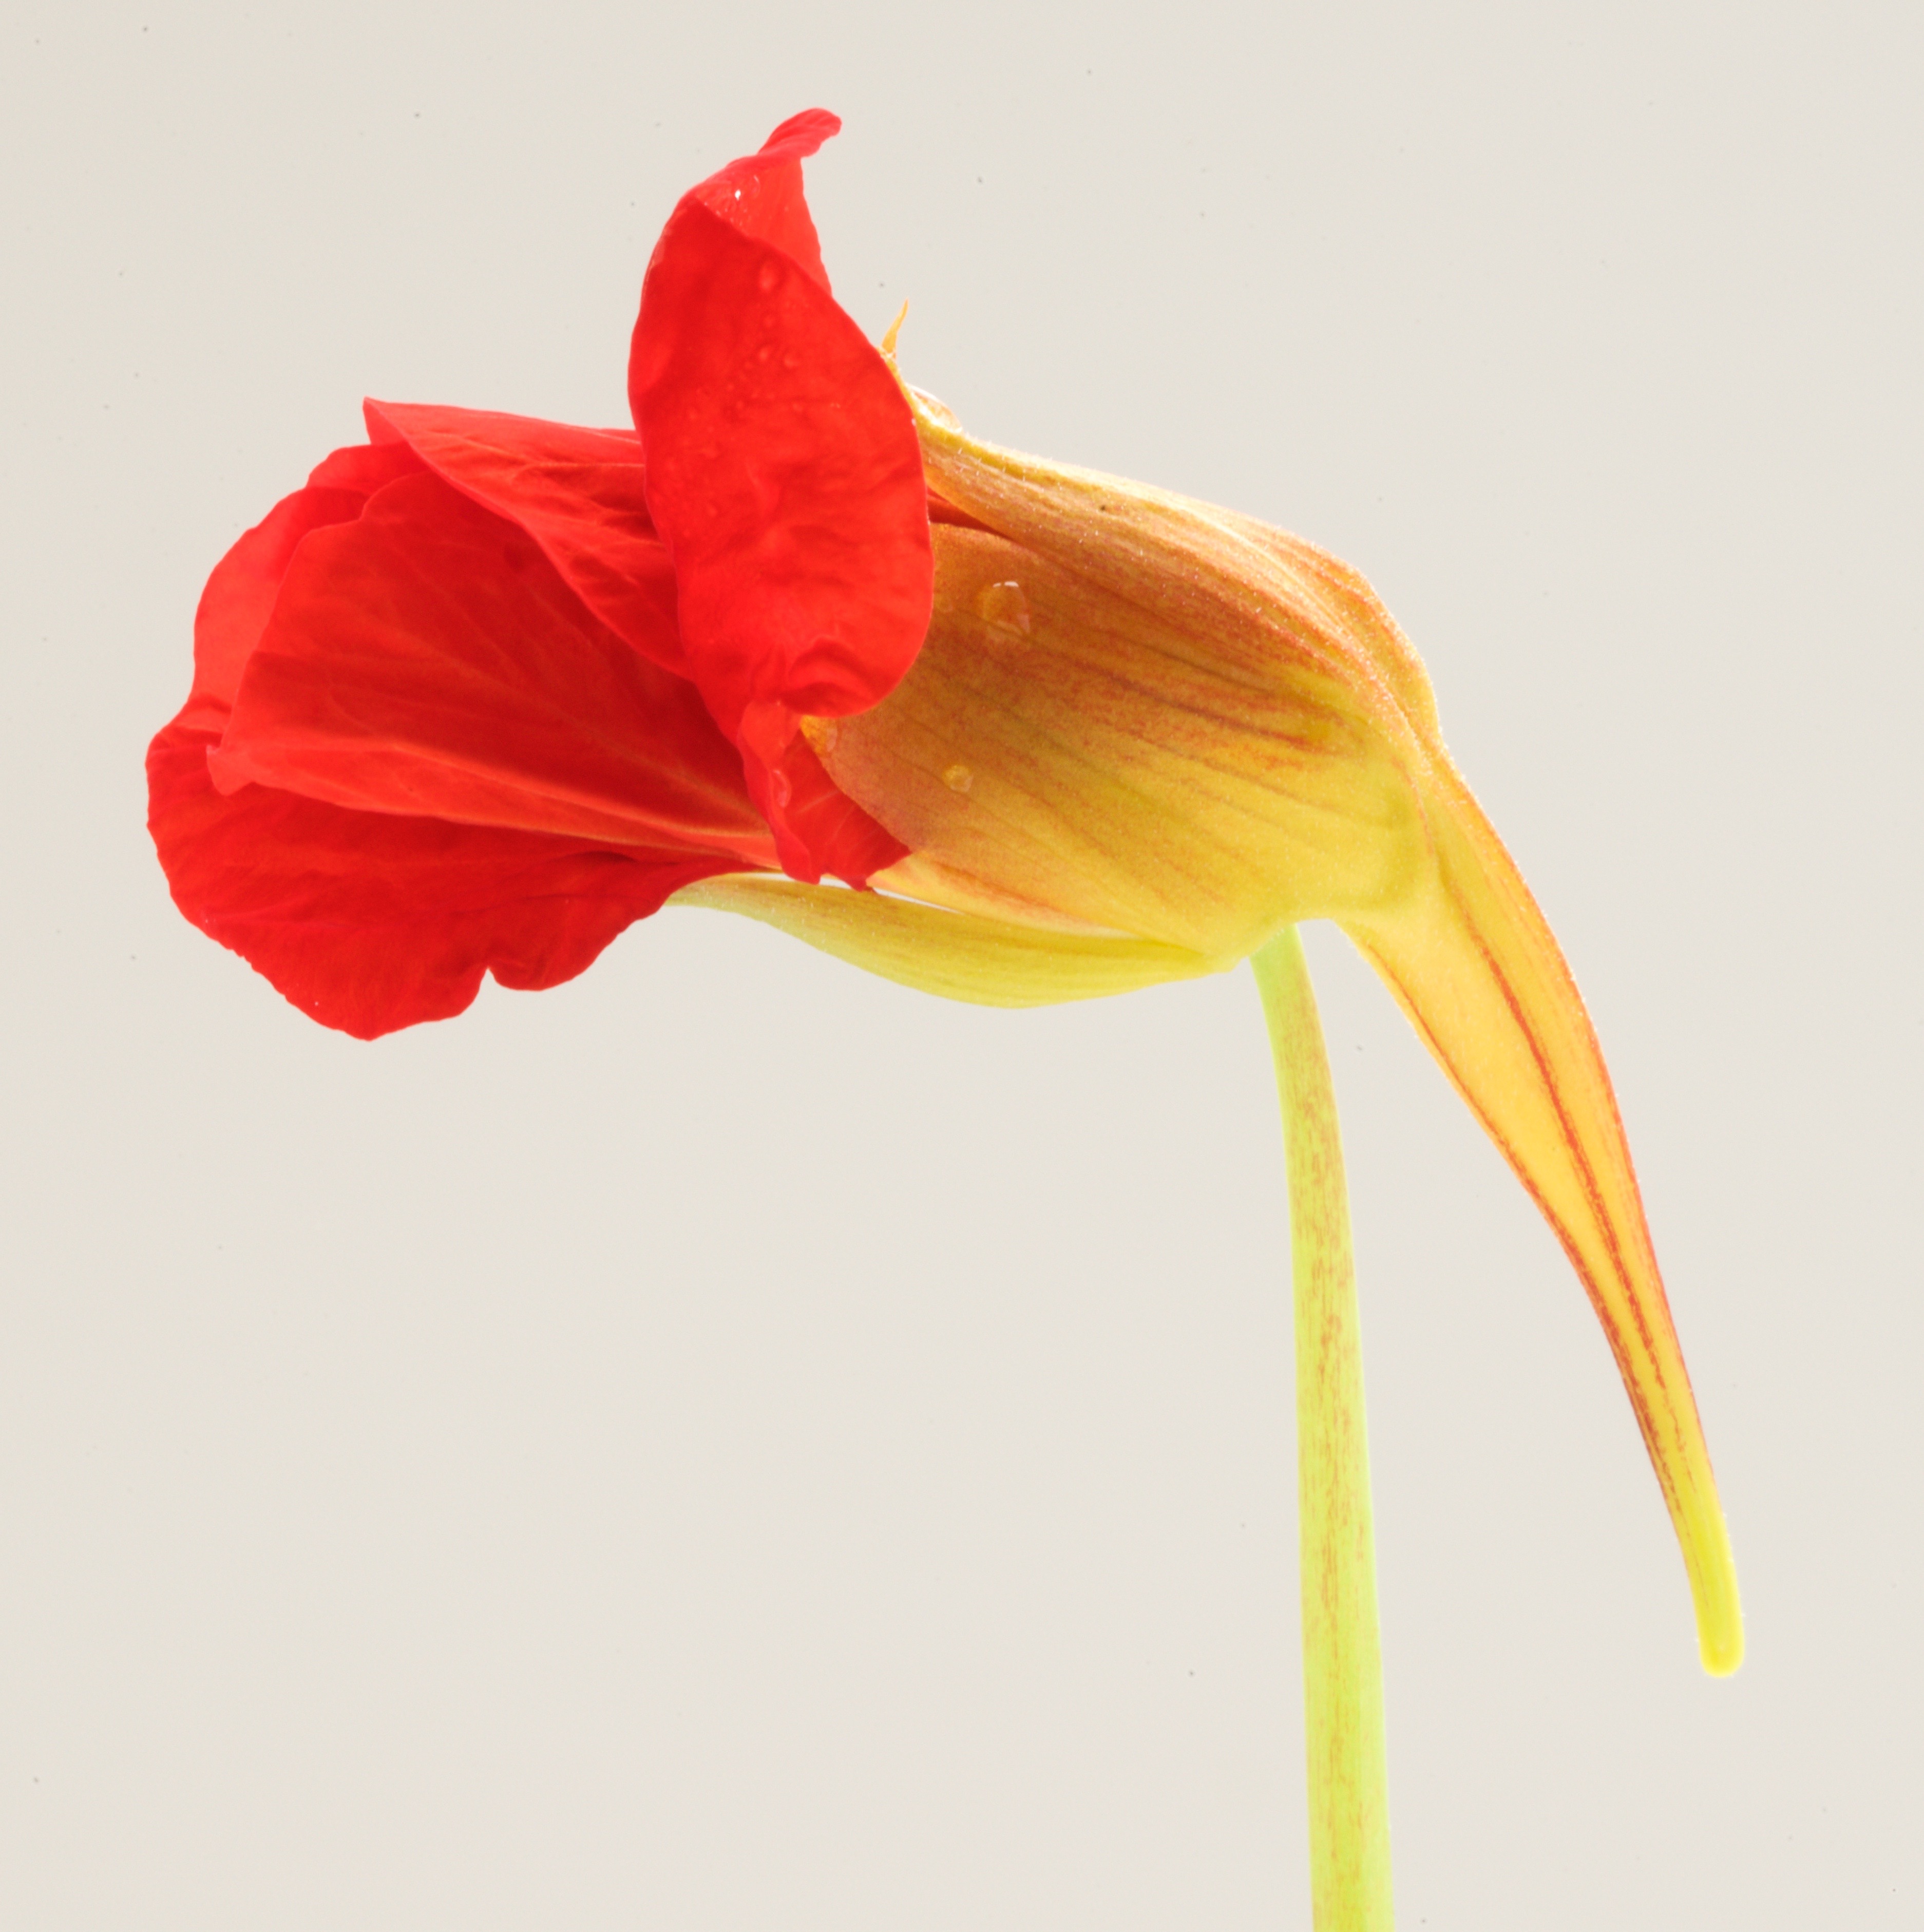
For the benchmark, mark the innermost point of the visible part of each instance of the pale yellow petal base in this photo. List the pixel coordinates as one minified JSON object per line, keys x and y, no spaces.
{"x":989,"y":962}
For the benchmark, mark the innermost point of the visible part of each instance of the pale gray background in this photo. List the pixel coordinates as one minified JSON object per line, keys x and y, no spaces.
{"x":733,"y":1444}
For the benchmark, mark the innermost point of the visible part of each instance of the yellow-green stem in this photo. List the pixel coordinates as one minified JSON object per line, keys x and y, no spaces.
{"x":1342,"y":1653}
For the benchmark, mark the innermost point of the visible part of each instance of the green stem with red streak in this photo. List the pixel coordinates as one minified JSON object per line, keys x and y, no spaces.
{"x":1342,"y":1653}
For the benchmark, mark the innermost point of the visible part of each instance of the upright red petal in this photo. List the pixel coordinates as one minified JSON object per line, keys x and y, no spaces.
{"x":578,"y":492}
{"x":428,"y":659}
{"x":761,"y":194}
{"x":783,"y":474}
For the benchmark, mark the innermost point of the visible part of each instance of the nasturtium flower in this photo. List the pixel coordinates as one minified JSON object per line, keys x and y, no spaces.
{"x":795,"y":645}
{"x":488,"y":689}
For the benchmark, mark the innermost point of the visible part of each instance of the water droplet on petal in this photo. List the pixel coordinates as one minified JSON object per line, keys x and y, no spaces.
{"x":762,"y":354}
{"x":958,"y":778}
{"x":827,"y":734}
{"x":768,"y":277}
{"x":781,"y":791}
{"x":1005,"y":606}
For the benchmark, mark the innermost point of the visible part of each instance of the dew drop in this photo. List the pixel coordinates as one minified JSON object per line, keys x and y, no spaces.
{"x":958,"y":778}
{"x":781,"y":791}
{"x":827,"y":734}
{"x":1005,"y":606}
{"x":768,"y":276}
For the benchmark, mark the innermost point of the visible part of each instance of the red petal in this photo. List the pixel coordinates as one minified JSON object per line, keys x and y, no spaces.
{"x":761,"y":194}
{"x":577,"y":492}
{"x":241,"y":591}
{"x":784,"y":476}
{"x":428,"y":660}
{"x":365,"y":466}
{"x":829,"y":825}
{"x":368,"y":921}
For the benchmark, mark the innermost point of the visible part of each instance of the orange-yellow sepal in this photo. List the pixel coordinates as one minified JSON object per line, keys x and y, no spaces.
{"x":1470,"y":959}
{"x":1141,"y":718}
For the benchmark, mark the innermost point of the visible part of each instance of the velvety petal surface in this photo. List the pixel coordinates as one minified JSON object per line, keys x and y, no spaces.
{"x":783,"y":474}
{"x":427,"y":659}
{"x":578,"y":492}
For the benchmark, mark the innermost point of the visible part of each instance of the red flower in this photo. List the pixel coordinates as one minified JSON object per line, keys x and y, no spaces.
{"x":488,"y":689}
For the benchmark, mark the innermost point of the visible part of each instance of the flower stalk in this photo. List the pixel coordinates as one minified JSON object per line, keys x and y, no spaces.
{"x":1342,"y":1651}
